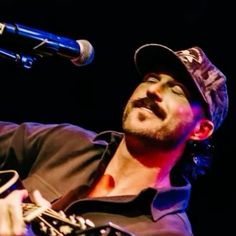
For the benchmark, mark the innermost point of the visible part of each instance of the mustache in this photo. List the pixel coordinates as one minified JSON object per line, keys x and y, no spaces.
{"x":151,"y":105}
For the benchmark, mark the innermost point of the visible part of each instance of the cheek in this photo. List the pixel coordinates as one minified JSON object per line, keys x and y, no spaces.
{"x":137,"y":94}
{"x":185,"y":111}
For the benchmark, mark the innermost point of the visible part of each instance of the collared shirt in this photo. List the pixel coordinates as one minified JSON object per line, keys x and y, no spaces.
{"x":65,"y":161}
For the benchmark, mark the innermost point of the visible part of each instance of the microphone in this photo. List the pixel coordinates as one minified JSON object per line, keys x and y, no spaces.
{"x":42,"y":43}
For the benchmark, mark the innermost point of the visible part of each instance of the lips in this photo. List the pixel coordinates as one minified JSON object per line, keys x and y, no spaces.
{"x":150,"y":105}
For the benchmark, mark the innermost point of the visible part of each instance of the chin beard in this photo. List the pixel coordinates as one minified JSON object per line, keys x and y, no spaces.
{"x":163,"y":139}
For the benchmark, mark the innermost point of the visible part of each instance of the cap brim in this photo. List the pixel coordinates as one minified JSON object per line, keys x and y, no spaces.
{"x":156,"y":57}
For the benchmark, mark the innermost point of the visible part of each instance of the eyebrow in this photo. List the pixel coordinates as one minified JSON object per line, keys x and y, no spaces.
{"x":151,"y":74}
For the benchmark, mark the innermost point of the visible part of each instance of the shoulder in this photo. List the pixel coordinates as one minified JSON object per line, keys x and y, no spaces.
{"x":40,"y":128}
{"x":176,"y":224}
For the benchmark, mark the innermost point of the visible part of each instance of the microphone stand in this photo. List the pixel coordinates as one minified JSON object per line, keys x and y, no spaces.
{"x":26,"y":61}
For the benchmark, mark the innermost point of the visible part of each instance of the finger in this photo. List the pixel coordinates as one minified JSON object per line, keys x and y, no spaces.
{"x":12,"y":222}
{"x":5,"y":225}
{"x":17,"y":196}
{"x":39,"y":200}
{"x":17,"y":223}
{"x":15,"y":212}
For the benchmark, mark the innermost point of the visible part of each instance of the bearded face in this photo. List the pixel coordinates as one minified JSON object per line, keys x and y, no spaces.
{"x":160,"y":111}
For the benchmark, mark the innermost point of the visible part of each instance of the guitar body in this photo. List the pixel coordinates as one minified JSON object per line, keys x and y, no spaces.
{"x":9,"y":181}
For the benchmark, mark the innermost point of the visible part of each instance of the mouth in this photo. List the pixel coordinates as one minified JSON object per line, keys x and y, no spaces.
{"x":150,"y":105}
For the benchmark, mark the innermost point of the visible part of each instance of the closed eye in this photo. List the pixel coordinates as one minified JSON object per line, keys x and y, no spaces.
{"x":151,"y":77}
{"x":178,"y":90}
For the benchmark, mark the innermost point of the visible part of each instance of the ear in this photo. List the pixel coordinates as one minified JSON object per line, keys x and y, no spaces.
{"x":203,"y":130}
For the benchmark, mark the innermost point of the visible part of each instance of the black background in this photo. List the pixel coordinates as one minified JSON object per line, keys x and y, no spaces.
{"x":93,"y":96}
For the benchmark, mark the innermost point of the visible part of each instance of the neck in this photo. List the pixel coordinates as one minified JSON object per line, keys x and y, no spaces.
{"x":135,"y":166}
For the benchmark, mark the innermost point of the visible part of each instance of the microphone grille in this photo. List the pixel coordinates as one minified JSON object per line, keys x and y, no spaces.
{"x":86,"y":53}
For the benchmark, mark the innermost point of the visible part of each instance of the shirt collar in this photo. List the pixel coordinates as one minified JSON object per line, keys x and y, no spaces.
{"x":107,"y":137}
{"x":169,"y":200}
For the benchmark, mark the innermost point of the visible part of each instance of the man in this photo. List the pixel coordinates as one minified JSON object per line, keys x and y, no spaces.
{"x":133,"y":180}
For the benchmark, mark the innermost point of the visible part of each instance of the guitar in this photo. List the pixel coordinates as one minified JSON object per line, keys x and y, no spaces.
{"x":47,"y":222}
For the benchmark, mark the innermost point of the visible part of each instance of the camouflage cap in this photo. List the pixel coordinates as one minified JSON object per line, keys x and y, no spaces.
{"x":193,"y":66}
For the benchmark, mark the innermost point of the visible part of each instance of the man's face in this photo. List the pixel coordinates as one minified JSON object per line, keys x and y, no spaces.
{"x":160,"y":110}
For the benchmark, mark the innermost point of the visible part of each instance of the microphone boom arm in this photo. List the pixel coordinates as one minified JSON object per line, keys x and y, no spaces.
{"x":24,"y":60}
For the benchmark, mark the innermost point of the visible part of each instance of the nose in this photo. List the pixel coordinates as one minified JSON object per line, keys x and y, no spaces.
{"x":154,"y":92}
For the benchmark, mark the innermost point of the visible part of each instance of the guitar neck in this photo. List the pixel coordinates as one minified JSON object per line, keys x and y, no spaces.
{"x":47,"y":222}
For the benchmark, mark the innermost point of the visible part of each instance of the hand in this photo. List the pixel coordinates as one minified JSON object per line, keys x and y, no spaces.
{"x":12,"y":222}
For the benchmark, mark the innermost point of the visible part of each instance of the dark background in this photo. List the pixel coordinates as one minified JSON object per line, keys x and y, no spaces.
{"x":93,"y":96}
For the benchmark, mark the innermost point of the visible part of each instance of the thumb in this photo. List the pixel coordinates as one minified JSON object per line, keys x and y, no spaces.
{"x":39,"y":200}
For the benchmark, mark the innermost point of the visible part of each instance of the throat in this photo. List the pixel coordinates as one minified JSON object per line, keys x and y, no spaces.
{"x":104,"y":186}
